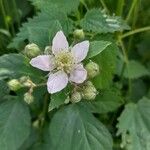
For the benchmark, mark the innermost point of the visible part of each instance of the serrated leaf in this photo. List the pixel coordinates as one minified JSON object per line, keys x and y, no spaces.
{"x":107,"y":62}
{"x":134,"y":125}
{"x":16,"y":65}
{"x":106,"y":101}
{"x":98,"y":22}
{"x":74,"y":128}
{"x":14,"y":124}
{"x":66,"y":6}
{"x":43,"y":35}
{"x":135,"y":69}
{"x":97,"y":47}
{"x":47,"y":24}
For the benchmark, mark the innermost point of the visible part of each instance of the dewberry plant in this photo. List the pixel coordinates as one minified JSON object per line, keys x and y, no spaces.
{"x":75,"y":76}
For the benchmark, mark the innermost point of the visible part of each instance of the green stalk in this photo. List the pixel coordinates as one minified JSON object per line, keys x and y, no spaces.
{"x":120,"y":6}
{"x":84,"y":4}
{"x":12,"y":30}
{"x":126,"y":63}
{"x":135,"y":16}
{"x":45,"y":110}
{"x":134,"y":3}
{"x":4,"y":14}
{"x":135,"y":31}
{"x":104,"y":6}
{"x":16,"y":12}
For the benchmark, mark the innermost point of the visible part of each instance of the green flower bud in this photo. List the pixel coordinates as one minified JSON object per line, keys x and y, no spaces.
{"x":28,"y":98}
{"x":89,"y":91}
{"x":92,"y":69}
{"x":14,"y":85}
{"x":76,"y":97}
{"x":32,"y":50}
{"x":48,"y":50}
{"x":79,"y":34}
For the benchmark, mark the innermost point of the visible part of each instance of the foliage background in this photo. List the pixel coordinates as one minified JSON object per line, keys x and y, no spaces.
{"x":119,"y":117}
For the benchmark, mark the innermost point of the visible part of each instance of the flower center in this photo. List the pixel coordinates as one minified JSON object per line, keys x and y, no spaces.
{"x":64,"y":61}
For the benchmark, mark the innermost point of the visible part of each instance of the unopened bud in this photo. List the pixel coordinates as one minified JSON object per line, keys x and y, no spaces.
{"x":32,"y":50}
{"x":14,"y":85}
{"x":92,"y":69}
{"x":48,"y":50}
{"x":89,"y":92}
{"x":76,"y":97}
{"x":79,"y":34}
{"x":28,"y":98}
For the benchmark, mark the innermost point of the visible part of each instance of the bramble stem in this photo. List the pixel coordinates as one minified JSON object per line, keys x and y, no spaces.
{"x":135,"y":31}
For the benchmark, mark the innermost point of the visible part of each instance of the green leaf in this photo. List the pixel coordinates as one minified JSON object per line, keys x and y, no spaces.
{"x":97,"y":47}
{"x":16,"y":65}
{"x":66,"y":6}
{"x":42,"y":35}
{"x":74,"y":128}
{"x":99,"y":22}
{"x":31,"y":140}
{"x":134,"y":125}
{"x":14,"y":124}
{"x":107,"y":62}
{"x":135,"y":69}
{"x":4,"y":90}
{"x":41,"y":29}
{"x":106,"y":101}
{"x":138,"y":90}
{"x":57,"y":100}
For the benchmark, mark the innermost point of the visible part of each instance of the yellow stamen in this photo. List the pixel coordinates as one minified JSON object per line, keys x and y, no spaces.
{"x":64,"y":61}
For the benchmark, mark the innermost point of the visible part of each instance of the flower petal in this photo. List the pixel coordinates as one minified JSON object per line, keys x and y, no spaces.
{"x":59,"y":42}
{"x":78,"y":74}
{"x":80,"y":51}
{"x":57,"y":81}
{"x":43,"y":62}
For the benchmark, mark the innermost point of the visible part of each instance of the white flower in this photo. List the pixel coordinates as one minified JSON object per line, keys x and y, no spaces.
{"x":64,"y":64}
